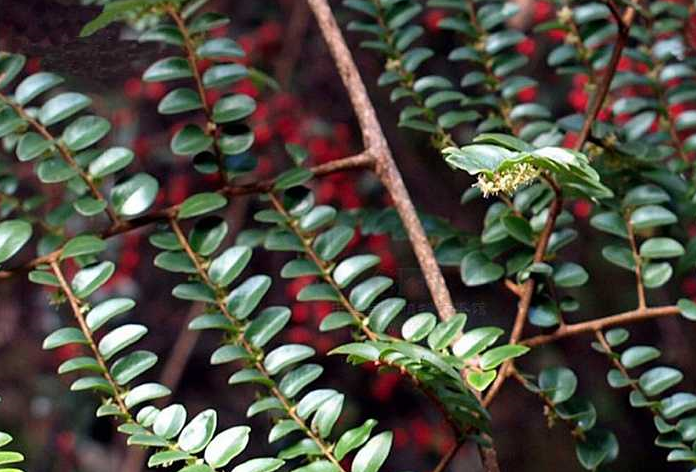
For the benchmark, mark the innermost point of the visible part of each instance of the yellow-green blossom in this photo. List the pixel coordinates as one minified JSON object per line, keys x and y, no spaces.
{"x":508,"y":180}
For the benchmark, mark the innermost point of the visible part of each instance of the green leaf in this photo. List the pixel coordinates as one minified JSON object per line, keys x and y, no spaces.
{"x":145,"y":392}
{"x":285,"y":356}
{"x":169,"y":68}
{"x":98,"y":384}
{"x":266,"y":325}
{"x":620,"y":256}
{"x":54,"y":170}
{"x":677,"y":404}
{"x":297,"y":153}
{"x":170,"y":421}
{"x":245,"y":298}
{"x":656,"y":274}
{"x":292,"y":178}
{"x":228,"y":265}
{"x":363,"y":294}
{"x":599,"y":446}
{"x":326,"y":416}
{"x":331,"y":243}
{"x":120,"y":338}
{"x":80,"y":363}
{"x":82,"y":246}
{"x":62,"y":106}
{"x":638,"y":355}
{"x":295,"y":380}
{"x":518,"y":228}
{"x":648,"y":194}
{"x":135,"y":194}
{"x":207,"y":235}
{"x":384,"y":312}
{"x":658,"y":379}
{"x":194,"y":291}
{"x":262,"y":464}
{"x":190,"y":140}
{"x":569,"y":274}
{"x":223,"y":75}
{"x":281,"y":429}
{"x":650,"y":216}
{"x":480,"y":380}
{"x":558,"y":384}
{"x":299,"y":268}
{"x":31,"y":145}
{"x":201,"y":204}
{"x":35,"y":85}
{"x":218,"y":48}
{"x":129,"y":367}
{"x":336,"y":320}
{"x":475,"y":341}
{"x":373,"y":454}
{"x":107,"y":310}
{"x":477,"y":269}
{"x":85,"y":131}
{"x":353,"y":438}
{"x":10,"y":66}
{"x":445,"y":332}
{"x":89,"y":279}
{"x":610,"y":222}
{"x":418,"y":326}
{"x":14,"y":234}
{"x":233,"y":108}
{"x":110,"y":161}
{"x":226,"y":446}
{"x":317,"y":217}
{"x":178,"y":101}
{"x":167,"y":457}
{"x":313,"y":400}
{"x":687,"y":308}
{"x":198,"y":433}
{"x":63,"y":337}
{"x":658,"y":248}
{"x":496,"y":356}
{"x":228,"y":353}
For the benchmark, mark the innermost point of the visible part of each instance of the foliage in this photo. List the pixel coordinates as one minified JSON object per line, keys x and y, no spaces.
{"x":627,"y":154}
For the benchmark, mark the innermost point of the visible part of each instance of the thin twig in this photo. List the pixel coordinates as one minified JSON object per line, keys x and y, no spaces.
{"x":376,"y":144}
{"x":192,"y":58}
{"x":619,"y":319}
{"x":447,"y":458}
{"x":76,"y":306}
{"x":527,"y":289}
{"x":624,"y":24}
{"x":360,"y":161}
{"x":640,"y":288}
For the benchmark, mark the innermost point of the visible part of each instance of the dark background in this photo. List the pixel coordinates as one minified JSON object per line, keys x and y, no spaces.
{"x":57,"y":429}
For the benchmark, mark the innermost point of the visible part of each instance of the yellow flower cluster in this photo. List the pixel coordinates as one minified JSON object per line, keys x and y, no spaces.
{"x":508,"y":180}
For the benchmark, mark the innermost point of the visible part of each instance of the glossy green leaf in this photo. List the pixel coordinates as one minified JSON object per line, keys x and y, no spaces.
{"x":135,"y":194}
{"x":63,"y":337}
{"x":131,"y":366}
{"x":261,"y":464}
{"x":170,"y":421}
{"x":372,"y":455}
{"x":354,"y":438}
{"x":418,"y":326}
{"x":14,"y":234}
{"x":496,"y":356}
{"x":650,"y":216}
{"x":331,"y":243}
{"x":178,"y":101}
{"x":207,"y":235}
{"x":62,"y":106}
{"x":226,"y":446}
{"x":245,"y":298}
{"x":85,"y":131}
{"x":445,"y":332}
{"x":233,"y":108}
{"x":107,"y":310}
{"x":365,"y":293}
{"x":90,"y":278}
{"x":295,"y":380}
{"x":190,"y":140}
{"x":120,"y":338}
{"x":658,"y":379}
{"x":82,"y":246}
{"x":285,"y":356}
{"x":477,"y":269}
{"x":687,"y":308}
{"x":35,"y":85}
{"x":31,"y":145}
{"x":145,"y":392}
{"x":348,"y":269}
{"x":110,"y":161}
{"x":480,"y":380}
{"x":169,"y":68}
{"x":475,"y":341}
{"x":198,"y":433}
{"x":599,"y":446}
{"x":227,"y":266}
{"x":201,"y":204}
{"x":658,"y":248}
{"x":558,"y":383}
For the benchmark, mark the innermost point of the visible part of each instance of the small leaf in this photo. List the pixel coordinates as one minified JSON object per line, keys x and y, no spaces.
{"x":201,"y":204}
{"x":418,"y":326}
{"x":354,"y":438}
{"x":228,"y":265}
{"x":63,"y":337}
{"x":475,"y":341}
{"x":285,"y":356}
{"x":658,"y":379}
{"x":62,"y":106}
{"x":558,"y":383}
{"x":110,"y":161}
{"x":658,"y":248}
{"x":178,"y":101}
{"x":245,"y":298}
{"x":82,"y":246}
{"x":170,"y":421}
{"x":480,"y":380}
{"x":477,"y":269}
{"x":233,"y":108}
{"x":120,"y":338}
{"x":226,"y":446}
{"x":687,"y":308}
{"x":14,"y":234}
{"x":496,"y":356}
{"x":134,"y":195}
{"x":373,"y":454}
{"x":650,"y":216}
{"x":198,"y":433}
{"x":90,"y":278}
{"x":638,"y":355}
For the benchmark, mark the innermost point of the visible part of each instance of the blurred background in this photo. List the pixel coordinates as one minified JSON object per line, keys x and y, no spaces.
{"x":57,"y":429}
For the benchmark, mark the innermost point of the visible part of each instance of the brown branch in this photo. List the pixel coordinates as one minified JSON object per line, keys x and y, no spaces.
{"x":640,"y":288}
{"x":624,"y":23}
{"x":65,"y":154}
{"x":359,"y":161}
{"x":376,"y":144}
{"x":626,"y":317}
{"x":447,"y":458}
{"x":527,"y":289}
{"x":76,"y":306}
{"x":192,"y":58}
